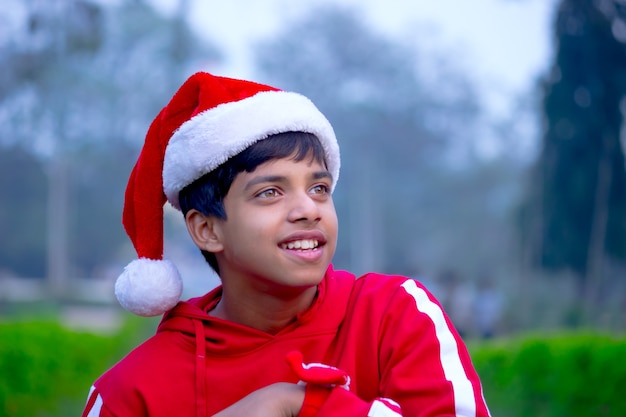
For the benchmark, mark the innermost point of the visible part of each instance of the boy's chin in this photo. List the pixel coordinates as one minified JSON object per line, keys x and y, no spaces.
{"x":303,"y":281}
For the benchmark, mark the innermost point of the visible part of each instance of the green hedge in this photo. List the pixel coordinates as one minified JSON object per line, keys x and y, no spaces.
{"x":568,"y":375}
{"x":46,"y":370}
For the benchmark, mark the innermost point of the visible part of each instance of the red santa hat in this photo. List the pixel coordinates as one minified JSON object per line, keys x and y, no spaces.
{"x":209,"y":120}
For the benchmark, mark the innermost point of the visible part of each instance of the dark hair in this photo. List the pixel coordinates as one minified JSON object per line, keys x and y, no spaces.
{"x":206,"y":194}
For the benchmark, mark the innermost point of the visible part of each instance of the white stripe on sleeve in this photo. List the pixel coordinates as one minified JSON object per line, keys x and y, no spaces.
{"x":464,"y":400}
{"x":380,"y":409}
{"x":97,"y":405}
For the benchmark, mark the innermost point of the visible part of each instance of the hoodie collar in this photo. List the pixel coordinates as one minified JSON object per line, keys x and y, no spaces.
{"x":223,"y":337}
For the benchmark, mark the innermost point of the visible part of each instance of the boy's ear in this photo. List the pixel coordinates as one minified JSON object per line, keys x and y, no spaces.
{"x":204,"y":231}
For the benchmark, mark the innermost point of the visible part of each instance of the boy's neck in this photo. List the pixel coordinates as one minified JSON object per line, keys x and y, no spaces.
{"x":269,"y":313}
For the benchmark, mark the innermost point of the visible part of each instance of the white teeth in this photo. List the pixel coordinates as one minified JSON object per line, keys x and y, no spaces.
{"x":301,"y":244}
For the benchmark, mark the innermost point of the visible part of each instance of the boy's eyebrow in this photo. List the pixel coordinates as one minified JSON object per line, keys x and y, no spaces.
{"x":266,"y":178}
{"x":281,"y":178}
{"x":322,"y":174}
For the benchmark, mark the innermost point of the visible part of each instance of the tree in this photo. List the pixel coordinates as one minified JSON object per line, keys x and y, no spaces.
{"x":83,"y":82}
{"x":35,"y":109}
{"x":578,"y":205}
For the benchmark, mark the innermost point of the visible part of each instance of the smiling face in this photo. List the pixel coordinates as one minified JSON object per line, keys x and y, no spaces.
{"x":281,"y":228}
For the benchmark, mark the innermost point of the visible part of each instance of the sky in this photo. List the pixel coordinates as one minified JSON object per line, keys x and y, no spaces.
{"x":506,"y":43}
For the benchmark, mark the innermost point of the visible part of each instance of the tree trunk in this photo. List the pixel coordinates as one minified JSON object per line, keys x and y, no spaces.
{"x":597,"y":238}
{"x":57,"y":225}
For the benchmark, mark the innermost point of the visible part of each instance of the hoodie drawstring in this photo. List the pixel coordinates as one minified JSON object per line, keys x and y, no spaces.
{"x":201,"y":406}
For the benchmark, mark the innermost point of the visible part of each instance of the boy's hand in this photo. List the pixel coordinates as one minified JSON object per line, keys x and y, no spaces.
{"x":277,"y":400}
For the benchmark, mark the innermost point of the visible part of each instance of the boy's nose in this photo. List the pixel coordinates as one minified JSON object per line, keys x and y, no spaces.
{"x":304,"y":208}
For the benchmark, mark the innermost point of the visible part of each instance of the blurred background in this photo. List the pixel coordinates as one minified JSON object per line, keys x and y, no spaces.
{"x":482,"y":146}
{"x":485,"y":158}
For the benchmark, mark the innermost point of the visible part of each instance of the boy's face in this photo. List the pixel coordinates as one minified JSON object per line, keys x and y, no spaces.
{"x":281,"y":227}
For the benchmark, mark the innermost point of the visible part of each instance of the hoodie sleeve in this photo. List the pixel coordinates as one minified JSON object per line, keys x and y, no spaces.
{"x":425,"y":369}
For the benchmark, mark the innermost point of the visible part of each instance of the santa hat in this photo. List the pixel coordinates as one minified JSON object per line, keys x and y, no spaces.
{"x":209,"y":120}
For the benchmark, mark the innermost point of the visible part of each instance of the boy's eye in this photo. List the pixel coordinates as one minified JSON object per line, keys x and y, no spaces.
{"x":320,"y":189}
{"x":269,"y":193}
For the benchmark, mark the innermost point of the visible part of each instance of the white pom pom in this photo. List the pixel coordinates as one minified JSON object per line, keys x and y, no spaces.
{"x":149,"y":287}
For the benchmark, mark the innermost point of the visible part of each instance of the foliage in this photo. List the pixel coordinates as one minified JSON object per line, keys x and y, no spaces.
{"x":46,"y":369}
{"x":577,"y":211}
{"x":567,"y":375}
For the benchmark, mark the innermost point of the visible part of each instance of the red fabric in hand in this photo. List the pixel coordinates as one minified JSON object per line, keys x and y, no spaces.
{"x":320,"y":379}
{"x":317,"y":373}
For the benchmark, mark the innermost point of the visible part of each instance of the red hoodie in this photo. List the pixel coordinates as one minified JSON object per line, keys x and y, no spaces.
{"x":388,"y":333}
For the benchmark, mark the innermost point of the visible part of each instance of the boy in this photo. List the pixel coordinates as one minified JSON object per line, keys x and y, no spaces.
{"x":252,"y":168}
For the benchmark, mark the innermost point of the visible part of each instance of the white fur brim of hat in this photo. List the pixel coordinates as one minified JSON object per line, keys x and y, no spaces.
{"x":211,"y":137}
